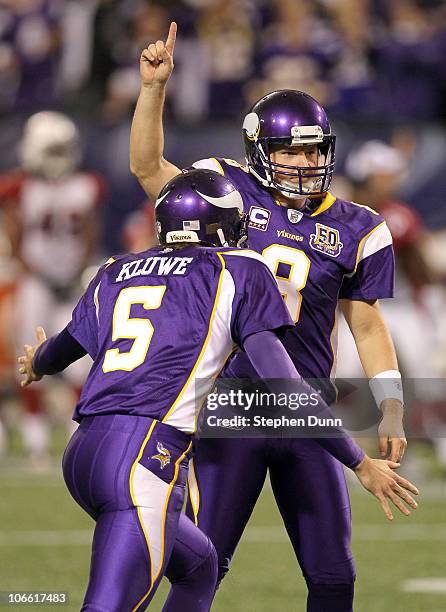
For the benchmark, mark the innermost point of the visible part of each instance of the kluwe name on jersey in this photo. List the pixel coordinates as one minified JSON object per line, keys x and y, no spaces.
{"x":154,"y":265}
{"x":160,"y":327}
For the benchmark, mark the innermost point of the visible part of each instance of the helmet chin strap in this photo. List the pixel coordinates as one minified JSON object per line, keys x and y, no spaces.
{"x":221,"y":235}
{"x":225,"y":243}
{"x":297,"y":196}
{"x":291,"y":196}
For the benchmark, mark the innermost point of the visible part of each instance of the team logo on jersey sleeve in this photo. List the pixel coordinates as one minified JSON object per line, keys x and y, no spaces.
{"x":326,"y":240}
{"x":259,"y":218}
{"x":294,"y":216}
{"x":163,"y":455}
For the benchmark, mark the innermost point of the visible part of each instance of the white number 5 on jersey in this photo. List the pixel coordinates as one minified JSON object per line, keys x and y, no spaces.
{"x":138,"y":330}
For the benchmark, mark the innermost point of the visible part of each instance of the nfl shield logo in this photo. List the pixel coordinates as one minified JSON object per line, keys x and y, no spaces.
{"x":294,"y":216}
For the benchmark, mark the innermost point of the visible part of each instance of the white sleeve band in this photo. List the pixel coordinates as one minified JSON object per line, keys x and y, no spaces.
{"x":386,"y":385}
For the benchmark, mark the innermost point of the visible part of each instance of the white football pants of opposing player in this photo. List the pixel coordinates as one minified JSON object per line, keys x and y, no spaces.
{"x":36,"y":304}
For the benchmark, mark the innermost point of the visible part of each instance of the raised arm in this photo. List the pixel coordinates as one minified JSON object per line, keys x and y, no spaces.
{"x":147,"y":136}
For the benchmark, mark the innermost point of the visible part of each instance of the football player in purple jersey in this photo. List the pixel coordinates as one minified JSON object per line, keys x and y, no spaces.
{"x":324,"y":251}
{"x":153,"y":323}
{"x":159,"y":326}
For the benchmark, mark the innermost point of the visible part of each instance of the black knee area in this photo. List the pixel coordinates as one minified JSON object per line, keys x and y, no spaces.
{"x":222,"y":570}
{"x":194,"y":567}
{"x":330,"y":597}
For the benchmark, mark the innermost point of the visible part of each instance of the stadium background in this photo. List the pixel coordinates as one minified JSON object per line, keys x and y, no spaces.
{"x":379,"y":69}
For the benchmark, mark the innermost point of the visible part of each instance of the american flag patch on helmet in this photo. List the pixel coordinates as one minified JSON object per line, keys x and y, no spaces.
{"x":191,"y":225}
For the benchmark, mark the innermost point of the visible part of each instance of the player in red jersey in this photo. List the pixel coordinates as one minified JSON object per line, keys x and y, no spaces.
{"x":51,"y":212}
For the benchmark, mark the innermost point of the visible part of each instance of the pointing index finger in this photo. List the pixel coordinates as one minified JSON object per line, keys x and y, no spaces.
{"x":40,"y":334}
{"x":171,"y":37}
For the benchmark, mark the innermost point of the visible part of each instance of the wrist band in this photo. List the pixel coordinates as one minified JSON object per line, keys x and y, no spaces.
{"x":386,"y":385}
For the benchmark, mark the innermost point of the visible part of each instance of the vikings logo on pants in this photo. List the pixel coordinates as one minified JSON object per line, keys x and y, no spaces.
{"x":136,"y":502}
{"x":163,"y":455}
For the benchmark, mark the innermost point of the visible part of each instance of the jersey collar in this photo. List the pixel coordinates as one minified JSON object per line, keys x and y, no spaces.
{"x":328,"y":201}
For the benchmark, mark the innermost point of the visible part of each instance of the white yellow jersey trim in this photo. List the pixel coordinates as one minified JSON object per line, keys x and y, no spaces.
{"x":378,"y":238}
{"x":214,"y":352}
{"x":211,"y":163}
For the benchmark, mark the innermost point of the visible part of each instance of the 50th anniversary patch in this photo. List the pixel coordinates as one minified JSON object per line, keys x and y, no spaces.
{"x":326,"y":240}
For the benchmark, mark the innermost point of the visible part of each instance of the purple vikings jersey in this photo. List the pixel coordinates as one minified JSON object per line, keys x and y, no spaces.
{"x":338,"y":250}
{"x":157,"y":322}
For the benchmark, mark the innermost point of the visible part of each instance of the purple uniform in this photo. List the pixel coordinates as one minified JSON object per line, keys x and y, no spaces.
{"x":339,"y":250}
{"x":154,"y":323}
{"x":157,"y":323}
{"x":335,"y":250}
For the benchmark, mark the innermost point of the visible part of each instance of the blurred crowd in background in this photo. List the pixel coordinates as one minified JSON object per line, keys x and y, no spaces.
{"x":68,"y":200}
{"x":378,"y":67}
{"x":361,"y":58}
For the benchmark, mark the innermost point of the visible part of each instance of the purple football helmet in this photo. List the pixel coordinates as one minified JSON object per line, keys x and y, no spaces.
{"x":200,"y":206}
{"x":287,"y":118}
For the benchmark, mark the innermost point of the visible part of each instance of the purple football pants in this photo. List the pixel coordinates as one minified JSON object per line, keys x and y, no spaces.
{"x":129,"y":474}
{"x":225,"y":481}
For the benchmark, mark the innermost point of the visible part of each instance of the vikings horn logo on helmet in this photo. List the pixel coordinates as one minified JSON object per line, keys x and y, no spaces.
{"x":251,"y":126}
{"x":231,"y":200}
{"x":204,"y":204}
